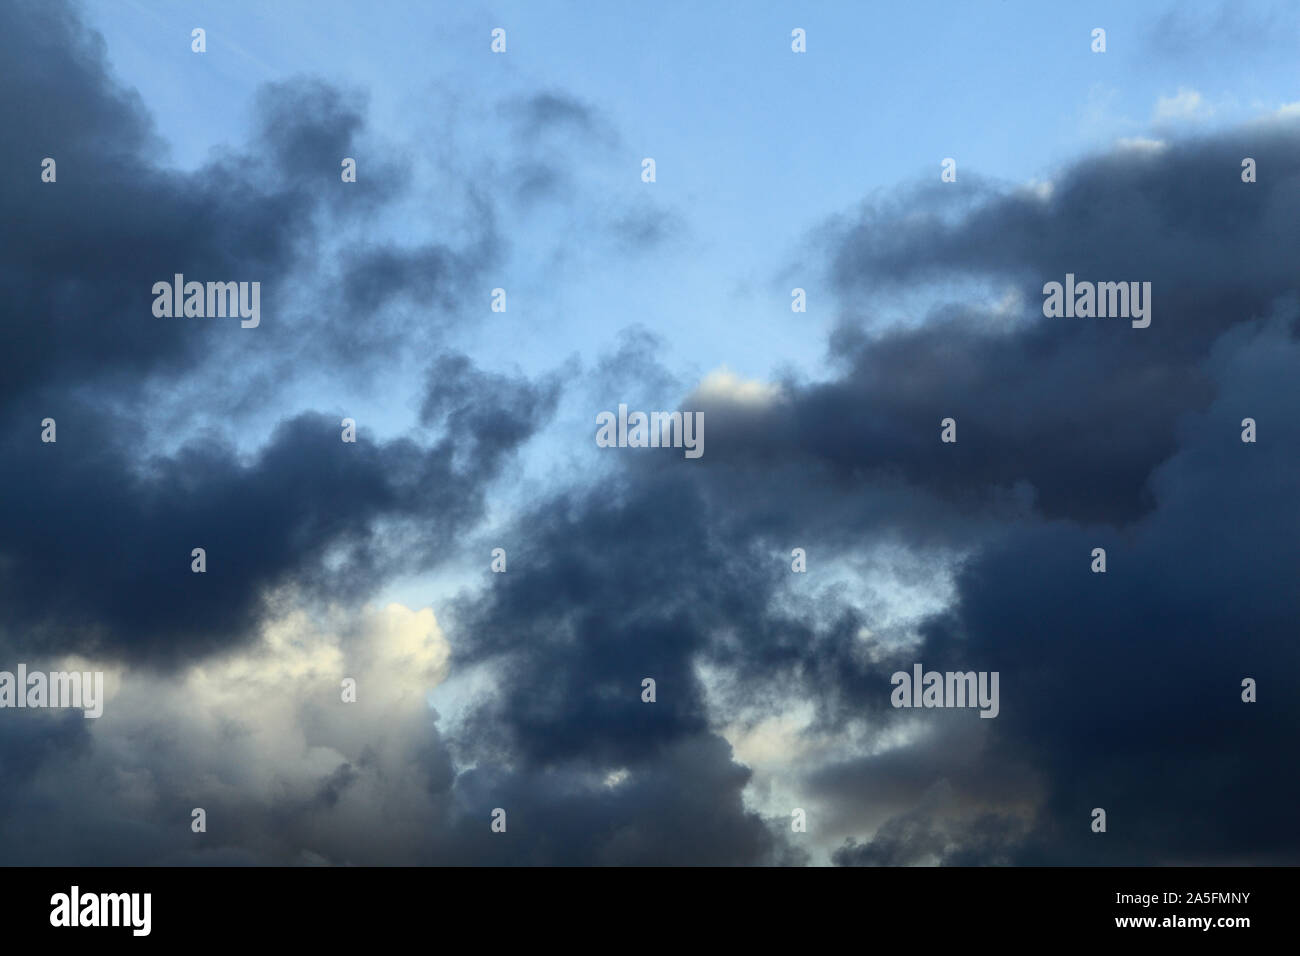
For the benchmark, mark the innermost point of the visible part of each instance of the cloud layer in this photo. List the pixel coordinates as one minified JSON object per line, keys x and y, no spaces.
{"x":1119,"y":691}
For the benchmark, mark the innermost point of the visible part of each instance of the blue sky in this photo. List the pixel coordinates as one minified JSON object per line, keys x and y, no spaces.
{"x":756,"y":147}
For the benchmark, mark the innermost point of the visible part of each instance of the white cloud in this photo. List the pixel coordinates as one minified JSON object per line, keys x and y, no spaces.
{"x":1186,"y":105}
{"x":723,"y":385}
{"x":1286,"y":114}
{"x":1141,"y":144}
{"x":1039,"y":189}
{"x":262,"y":740}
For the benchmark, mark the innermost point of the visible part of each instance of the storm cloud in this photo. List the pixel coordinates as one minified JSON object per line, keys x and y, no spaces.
{"x":523,"y":691}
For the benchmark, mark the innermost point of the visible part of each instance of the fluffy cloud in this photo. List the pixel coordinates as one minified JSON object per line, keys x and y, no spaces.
{"x":261,"y":739}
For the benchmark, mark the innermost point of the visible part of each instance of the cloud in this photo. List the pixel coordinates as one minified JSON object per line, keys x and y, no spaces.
{"x":259,"y":738}
{"x":105,"y":540}
{"x":140,"y":475}
{"x":1183,"y":32}
{"x":1072,"y":435}
{"x":1183,"y":107}
{"x":555,"y":111}
{"x":1118,"y":690}
{"x":1142,"y":144}
{"x":724,"y":386}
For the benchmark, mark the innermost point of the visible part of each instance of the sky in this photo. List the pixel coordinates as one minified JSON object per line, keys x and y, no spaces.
{"x":521,"y":690}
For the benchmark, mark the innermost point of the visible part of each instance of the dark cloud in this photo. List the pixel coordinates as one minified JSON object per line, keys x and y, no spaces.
{"x":1123,"y":690}
{"x":556,"y":112}
{"x":78,"y":272}
{"x":1073,"y":418}
{"x":490,"y":414}
{"x":1072,"y":434}
{"x":1075,"y":412}
{"x":648,"y":818}
{"x":561,"y":152}
{"x":1120,"y":216}
{"x":1181,"y":31}
{"x":99,"y":559}
{"x":929,"y":833}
